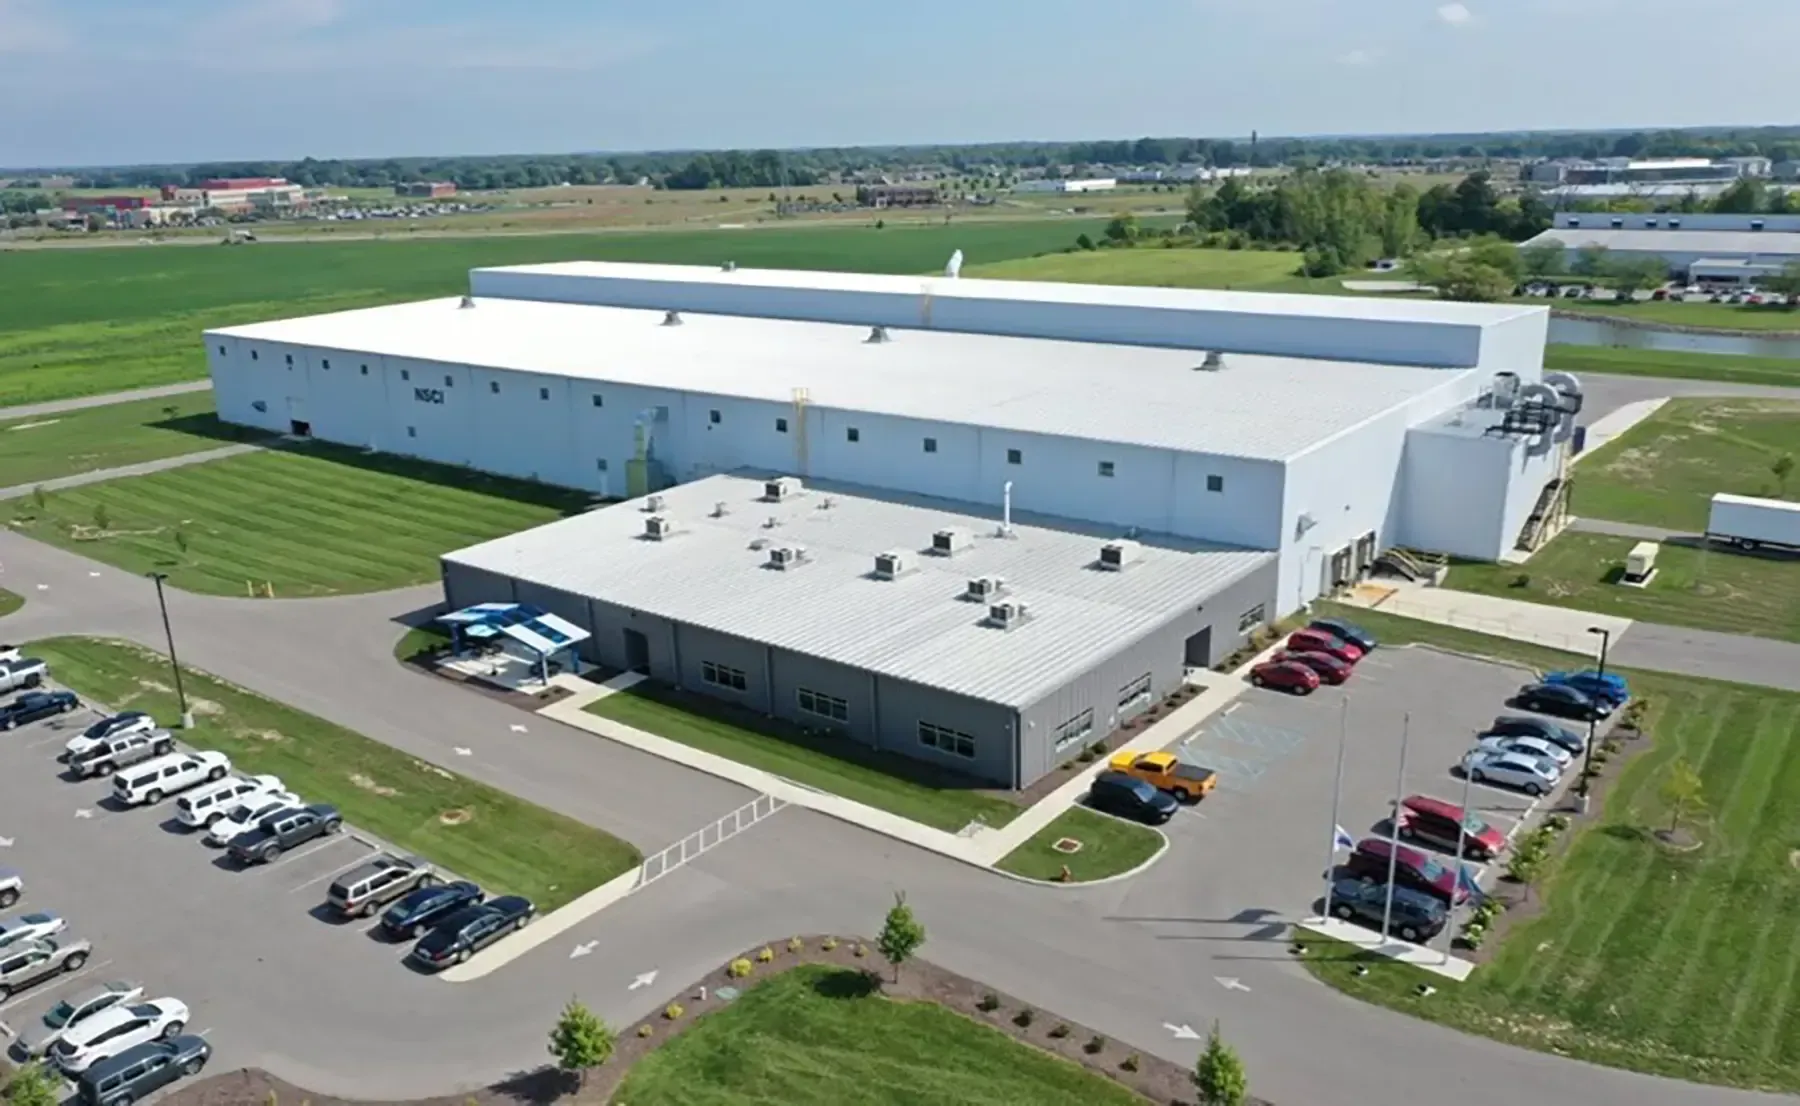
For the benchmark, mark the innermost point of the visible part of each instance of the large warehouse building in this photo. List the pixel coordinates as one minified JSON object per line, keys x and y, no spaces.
{"x":1703,"y":248}
{"x":1249,"y":453}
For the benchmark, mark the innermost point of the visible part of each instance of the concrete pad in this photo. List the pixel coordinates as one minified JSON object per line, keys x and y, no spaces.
{"x":1453,"y":968}
{"x":1552,"y":627}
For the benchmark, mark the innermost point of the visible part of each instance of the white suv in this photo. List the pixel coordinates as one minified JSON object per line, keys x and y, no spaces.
{"x":246,"y":816}
{"x":111,"y":1032}
{"x":154,"y":780}
{"x":215,"y":800}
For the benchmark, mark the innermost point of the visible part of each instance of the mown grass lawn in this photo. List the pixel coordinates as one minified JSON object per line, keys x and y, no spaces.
{"x":1778,"y":371}
{"x":892,"y":783}
{"x":804,"y":1038}
{"x":9,"y":602}
{"x":1683,"y":965}
{"x":1713,"y":316}
{"x":37,"y":449}
{"x":1718,"y":589}
{"x":310,"y":520}
{"x":1664,"y":471}
{"x":1245,"y":270}
{"x":469,"y":828}
{"x":1109,"y":847}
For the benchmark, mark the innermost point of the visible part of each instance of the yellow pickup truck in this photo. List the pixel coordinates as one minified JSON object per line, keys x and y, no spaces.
{"x":1188,"y":782}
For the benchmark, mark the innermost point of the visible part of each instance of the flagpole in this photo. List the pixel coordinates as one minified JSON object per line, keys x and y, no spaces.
{"x":1337,"y":793}
{"x":1387,"y":910}
{"x":1462,"y":830}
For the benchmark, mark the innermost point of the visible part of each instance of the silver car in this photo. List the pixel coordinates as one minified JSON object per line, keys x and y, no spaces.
{"x":29,"y":927}
{"x":12,"y":885}
{"x":1532,"y":775}
{"x":34,"y":1040}
{"x":35,"y":961}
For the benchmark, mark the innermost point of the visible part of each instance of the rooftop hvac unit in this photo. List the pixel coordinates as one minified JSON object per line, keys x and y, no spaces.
{"x":658,"y":527}
{"x":889,"y":566}
{"x":1115,"y":555}
{"x":730,"y":266}
{"x":950,"y":541}
{"x":878,"y":335}
{"x":786,"y":556}
{"x":985,"y":589}
{"x":720,"y":510}
{"x":467,"y":301}
{"x":782,"y":488}
{"x":671,"y":318}
{"x":1506,"y":389}
{"x":1006,"y":615}
{"x":1212,"y":362}
{"x":654,"y":504}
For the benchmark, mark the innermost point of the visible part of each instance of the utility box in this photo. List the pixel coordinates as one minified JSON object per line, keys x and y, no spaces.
{"x":1640,"y":564}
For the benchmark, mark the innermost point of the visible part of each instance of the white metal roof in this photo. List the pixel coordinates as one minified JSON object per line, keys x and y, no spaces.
{"x":1773,"y":243}
{"x":1258,"y":407}
{"x":916,"y":628}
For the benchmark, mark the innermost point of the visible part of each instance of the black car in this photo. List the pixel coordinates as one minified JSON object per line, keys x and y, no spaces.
{"x":140,"y":1071}
{"x":34,"y":705}
{"x":1561,"y":702}
{"x":284,"y":830}
{"x":1513,"y":725}
{"x":468,"y":931}
{"x":1345,"y":631}
{"x":425,"y":908}
{"x":1417,"y":917}
{"x":1130,"y":797}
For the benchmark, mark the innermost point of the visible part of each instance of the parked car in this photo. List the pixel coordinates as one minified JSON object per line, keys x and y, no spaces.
{"x":35,"y":705}
{"x":468,"y":931}
{"x":376,"y":882}
{"x":1167,"y":772}
{"x":22,"y":672}
{"x":1562,"y":702}
{"x":1328,"y":668}
{"x":113,"y":725}
{"x":1595,"y":684}
{"x":1529,"y":774}
{"x":1531,"y":747}
{"x":1416,"y":918}
{"x":141,"y":1071}
{"x":424,"y":908}
{"x":36,"y":1040}
{"x":246,"y":816}
{"x":1285,"y":676}
{"x":1345,"y":631}
{"x":284,"y":830}
{"x":30,"y":927}
{"x":154,"y":780}
{"x":30,"y":962}
{"x":1517,"y":725}
{"x":121,"y":750}
{"x":1413,"y":868}
{"x":1129,"y":797}
{"x":1434,"y":822}
{"x":1315,"y":641}
{"x":12,"y":887}
{"x":112,"y":1031}
{"x":207,"y":805}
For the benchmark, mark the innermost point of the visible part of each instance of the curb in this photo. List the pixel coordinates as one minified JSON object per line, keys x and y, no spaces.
{"x":1103,"y":880}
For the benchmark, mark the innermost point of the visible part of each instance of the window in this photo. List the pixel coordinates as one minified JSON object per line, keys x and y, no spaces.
{"x":599,"y":400}
{"x":946,"y":740}
{"x":853,"y":435}
{"x":822,"y":705}
{"x":221,"y":351}
{"x":1674,"y":224}
{"x":494,"y":386}
{"x":1106,"y":468}
{"x":252,"y":355}
{"x":602,"y":464}
{"x":1074,"y":729}
{"x":1215,"y":483}
{"x":1255,"y":616}
{"x":290,"y":359}
{"x":449,"y":381}
{"x":412,"y":431}
{"x":714,"y":417}
{"x":719,"y":675}
{"x":543,"y":393}
{"x":931,"y":445}
{"x":405,"y":374}
{"x":1618,"y":224}
{"x":1135,"y":694}
{"x":1014,"y":457}
{"x":326,"y":364}
{"x":365,"y":370}
{"x":781,"y":426}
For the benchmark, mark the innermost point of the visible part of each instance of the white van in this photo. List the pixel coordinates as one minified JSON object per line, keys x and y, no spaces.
{"x":201,"y":808}
{"x":153,"y":780}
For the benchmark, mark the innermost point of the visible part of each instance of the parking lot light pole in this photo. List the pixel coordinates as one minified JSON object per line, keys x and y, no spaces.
{"x":1587,"y":754}
{"x":187,"y":716}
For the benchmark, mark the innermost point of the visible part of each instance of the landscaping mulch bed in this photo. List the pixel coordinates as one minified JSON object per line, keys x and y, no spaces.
{"x":1159,"y":1081}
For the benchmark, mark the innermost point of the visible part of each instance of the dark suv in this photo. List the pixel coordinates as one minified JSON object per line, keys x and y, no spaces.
{"x":141,"y":1071}
{"x":1416,"y":917}
{"x":1130,"y":797}
{"x":376,"y":882}
{"x":282,"y":831}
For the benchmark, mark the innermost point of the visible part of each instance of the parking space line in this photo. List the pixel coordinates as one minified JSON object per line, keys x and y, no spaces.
{"x":66,"y":977}
{"x":7,"y":1031}
{"x":289,"y":858}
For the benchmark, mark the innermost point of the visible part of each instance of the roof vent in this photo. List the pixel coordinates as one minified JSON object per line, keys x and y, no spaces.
{"x":671,"y":318}
{"x":720,"y":510}
{"x":782,"y":488}
{"x":1212,"y":362}
{"x":827,"y":503}
{"x":1006,"y":615}
{"x":951,"y":541}
{"x":786,"y":556}
{"x":771,"y":522}
{"x":878,"y":335}
{"x":467,"y":301}
{"x":730,"y":266}
{"x":654,"y":504}
{"x":890,"y":565}
{"x":985,"y":589}
{"x":1115,"y":555}
{"x":658,"y":527}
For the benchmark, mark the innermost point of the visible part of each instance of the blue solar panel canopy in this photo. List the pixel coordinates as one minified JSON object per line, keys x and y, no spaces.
{"x":538,"y":630}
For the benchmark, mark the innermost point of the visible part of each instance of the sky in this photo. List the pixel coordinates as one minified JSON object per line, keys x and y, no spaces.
{"x":99,"y":82}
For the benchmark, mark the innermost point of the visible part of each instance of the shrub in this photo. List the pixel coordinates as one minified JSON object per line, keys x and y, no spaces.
{"x":738,"y":968}
{"x":1024,"y":1018}
{"x":1130,"y":1063}
{"x":1098,"y":748}
{"x":829,"y":943}
{"x":989,"y":1003}
{"x":673,"y":1011}
{"x":1521,"y":580}
{"x":860,"y":951}
{"x":1060,"y":1031}
{"x":795,"y":944}
{"x":645,"y":1030}
{"x":1094,"y":1044}
{"x":765,"y":954}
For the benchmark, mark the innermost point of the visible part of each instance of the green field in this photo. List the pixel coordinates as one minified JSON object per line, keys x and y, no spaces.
{"x":43,"y":448}
{"x":1109,"y":847}
{"x":1712,"y":316}
{"x":1665,"y":470}
{"x":815,"y":1036}
{"x":893,"y":783}
{"x":1777,"y":371}
{"x":468,"y":828}
{"x":1245,"y":270}
{"x":1678,"y":964}
{"x":310,"y":520}
{"x":85,"y":321}
{"x":1713,"y":590}
{"x":9,"y":602}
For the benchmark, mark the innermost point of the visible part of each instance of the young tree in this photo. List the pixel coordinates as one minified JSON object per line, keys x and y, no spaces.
{"x":1632,"y":274}
{"x":33,"y":1085}
{"x":1219,"y":1075}
{"x":1786,"y":283}
{"x":901,"y":935}
{"x":1590,"y":261}
{"x":1684,"y":793}
{"x":1782,"y":467}
{"x":1543,"y":262}
{"x":581,"y":1041}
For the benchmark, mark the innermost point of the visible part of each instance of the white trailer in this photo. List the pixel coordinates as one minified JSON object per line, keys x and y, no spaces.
{"x":1751,"y":523}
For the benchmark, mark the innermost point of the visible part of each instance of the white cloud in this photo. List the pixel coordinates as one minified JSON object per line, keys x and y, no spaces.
{"x":25,"y":28}
{"x":1358,"y":58}
{"x":1456,"y":14}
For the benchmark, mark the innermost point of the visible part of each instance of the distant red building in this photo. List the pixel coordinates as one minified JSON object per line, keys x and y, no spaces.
{"x":242,"y":184}
{"x":114,"y":203}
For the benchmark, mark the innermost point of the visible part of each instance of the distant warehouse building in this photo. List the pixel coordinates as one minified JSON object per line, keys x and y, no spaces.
{"x":430,"y":190}
{"x":1702,"y":248}
{"x":897,"y":195}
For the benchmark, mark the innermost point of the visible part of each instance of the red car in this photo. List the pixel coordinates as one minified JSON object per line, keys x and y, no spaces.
{"x":1434,"y":822}
{"x":1313,"y":641}
{"x":1285,"y":675}
{"x":1330,"y":669}
{"x":1414,"y":868}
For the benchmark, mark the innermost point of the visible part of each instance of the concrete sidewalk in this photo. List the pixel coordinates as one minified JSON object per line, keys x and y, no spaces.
{"x":1616,"y":422}
{"x":1552,"y":627}
{"x":98,"y":476}
{"x":62,"y":406}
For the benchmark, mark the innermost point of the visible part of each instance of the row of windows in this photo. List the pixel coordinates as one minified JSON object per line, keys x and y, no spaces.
{"x":1135,"y":694}
{"x":720,"y":675}
{"x":822,"y":705}
{"x":1253,"y":617}
{"x":946,"y":740}
{"x":1075,"y":729}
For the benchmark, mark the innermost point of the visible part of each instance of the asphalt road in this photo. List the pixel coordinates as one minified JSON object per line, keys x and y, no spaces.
{"x":57,"y":407}
{"x":1095,"y":955}
{"x":1606,"y":394}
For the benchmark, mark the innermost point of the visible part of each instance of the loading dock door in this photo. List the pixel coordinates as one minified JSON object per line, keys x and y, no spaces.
{"x":1199,"y":649}
{"x":637,"y":652}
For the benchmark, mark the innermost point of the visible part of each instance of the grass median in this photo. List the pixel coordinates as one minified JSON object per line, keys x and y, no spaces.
{"x":1108,"y":847}
{"x":1731,"y":367}
{"x":50,"y":446}
{"x":469,"y":828}
{"x":9,"y":602}
{"x":888,"y":782}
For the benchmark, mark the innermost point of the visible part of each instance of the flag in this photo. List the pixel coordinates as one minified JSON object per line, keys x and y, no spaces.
{"x":1341,"y":839}
{"x":1465,"y":877}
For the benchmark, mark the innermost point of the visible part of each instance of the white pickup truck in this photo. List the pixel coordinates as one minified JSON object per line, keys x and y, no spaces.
{"x":22,"y":672}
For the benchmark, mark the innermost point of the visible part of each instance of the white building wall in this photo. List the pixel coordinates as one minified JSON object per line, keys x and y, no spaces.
{"x":522,"y":426}
{"x":1456,"y":495}
{"x":346,"y":395}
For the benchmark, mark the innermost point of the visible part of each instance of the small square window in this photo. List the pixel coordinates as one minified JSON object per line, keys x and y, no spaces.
{"x":412,"y":431}
{"x":853,"y":435}
{"x":405,"y":374}
{"x":714,"y":417}
{"x":253,"y":355}
{"x":290,"y":359}
{"x":327,"y":364}
{"x":931,"y":445}
{"x":1215,"y":483}
{"x":449,"y":381}
{"x":781,"y":426}
{"x":1014,"y":457}
{"x":599,"y":400}
{"x":1106,"y":468}
{"x":602,"y":464}
{"x":365,"y":370}
{"x":221,"y":351}
{"x":543,"y":393}
{"x":494,"y":386}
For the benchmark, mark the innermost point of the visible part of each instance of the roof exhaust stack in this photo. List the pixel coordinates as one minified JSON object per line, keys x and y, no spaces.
{"x":467,"y":302}
{"x":1006,"y":530}
{"x":671,"y":318}
{"x":730,"y":267}
{"x":878,"y":335}
{"x":1213,"y":361}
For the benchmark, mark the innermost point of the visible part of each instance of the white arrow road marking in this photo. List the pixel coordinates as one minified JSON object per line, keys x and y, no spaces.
{"x":462,"y":752}
{"x":84,"y":812}
{"x":583,"y":949}
{"x":6,"y":842}
{"x":93,"y":574}
{"x":1183,"y":1032}
{"x":644,"y":980}
{"x":1230,"y":983}
{"x":43,"y":587}
{"x":516,"y":728}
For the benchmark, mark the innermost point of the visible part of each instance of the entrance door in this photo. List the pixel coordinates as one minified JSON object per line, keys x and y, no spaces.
{"x":1198,"y":653}
{"x":299,"y":428}
{"x":637,"y":652}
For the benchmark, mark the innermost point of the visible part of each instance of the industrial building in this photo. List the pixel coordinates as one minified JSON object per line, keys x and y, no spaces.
{"x":1270,"y":446}
{"x":1729,"y":249}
